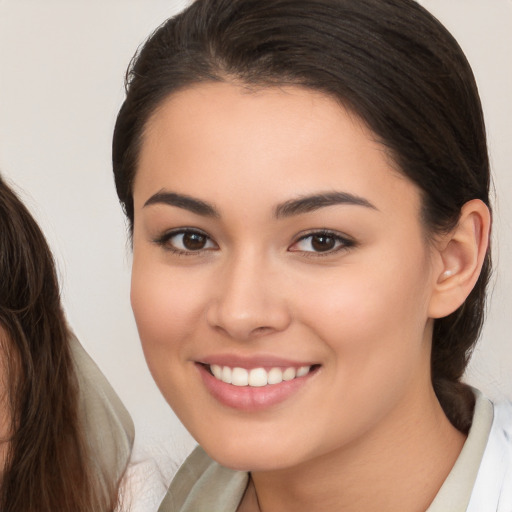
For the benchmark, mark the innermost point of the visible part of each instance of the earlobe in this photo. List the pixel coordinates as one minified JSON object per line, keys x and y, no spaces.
{"x":462,"y":255}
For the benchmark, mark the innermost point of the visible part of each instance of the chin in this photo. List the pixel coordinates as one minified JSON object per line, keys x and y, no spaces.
{"x":251,"y":456}
{"x":247,"y":462}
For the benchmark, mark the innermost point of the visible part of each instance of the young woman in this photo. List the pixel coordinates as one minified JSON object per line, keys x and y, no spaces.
{"x":65,"y":437}
{"x":307,"y":183}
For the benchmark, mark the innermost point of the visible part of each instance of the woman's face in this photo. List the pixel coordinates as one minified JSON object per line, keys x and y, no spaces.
{"x":274,"y":242}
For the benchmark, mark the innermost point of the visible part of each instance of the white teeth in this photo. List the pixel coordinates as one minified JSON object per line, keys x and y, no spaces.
{"x":257,"y":377}
{"x":226,"y":374}
{"x":303,"y":370}
{"x":216,"y":370}
{"x":239,"y":377}
{"x":275,"y":376}
{"x":289,"y":374}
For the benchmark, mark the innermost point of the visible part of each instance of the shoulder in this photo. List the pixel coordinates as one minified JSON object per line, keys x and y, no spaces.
{"x":493,"y":485}
{"x":107,"y":424}
{"x":202,"y":485}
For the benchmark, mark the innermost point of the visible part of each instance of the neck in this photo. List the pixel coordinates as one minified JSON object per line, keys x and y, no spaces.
{"x":401,"y":465}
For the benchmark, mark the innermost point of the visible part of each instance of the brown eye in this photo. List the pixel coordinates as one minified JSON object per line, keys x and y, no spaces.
{"x":186,"y":241}
{"x":322,"y":243}
{"x":194,"y":241}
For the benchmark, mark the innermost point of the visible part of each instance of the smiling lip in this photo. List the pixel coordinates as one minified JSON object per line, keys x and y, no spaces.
{"x":243,"y":384}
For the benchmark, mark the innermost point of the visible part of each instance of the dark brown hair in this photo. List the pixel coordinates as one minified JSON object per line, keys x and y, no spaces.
{"x":389,"y":61}
{"x":48,"y":464}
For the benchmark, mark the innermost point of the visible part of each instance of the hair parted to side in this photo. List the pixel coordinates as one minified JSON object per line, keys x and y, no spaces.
{"x":47,"y":468}
{"x":388,"y":61}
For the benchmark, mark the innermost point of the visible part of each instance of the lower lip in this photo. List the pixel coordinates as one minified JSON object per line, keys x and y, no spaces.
{"x":247,"y":398}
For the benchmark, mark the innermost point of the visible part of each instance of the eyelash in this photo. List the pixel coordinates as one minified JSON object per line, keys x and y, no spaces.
{"x":165,"y":241}
{"x":341,"y":242}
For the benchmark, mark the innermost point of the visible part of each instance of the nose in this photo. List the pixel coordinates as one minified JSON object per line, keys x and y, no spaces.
{"x":249,"y":300}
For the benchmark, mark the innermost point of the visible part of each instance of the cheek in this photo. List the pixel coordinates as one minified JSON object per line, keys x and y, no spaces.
{"x":374,"y":323}
{"x":164,"y":306}
{"x":371,"y":313}
{"x":166,"y":311}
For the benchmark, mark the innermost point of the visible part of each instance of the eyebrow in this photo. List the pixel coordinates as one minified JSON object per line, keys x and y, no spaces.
{"x":287,"y":209}
{"x":315,"y":202}
{"x":183,"y":201}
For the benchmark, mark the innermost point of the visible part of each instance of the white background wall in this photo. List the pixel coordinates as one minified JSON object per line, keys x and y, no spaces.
{"x":62,"y":64}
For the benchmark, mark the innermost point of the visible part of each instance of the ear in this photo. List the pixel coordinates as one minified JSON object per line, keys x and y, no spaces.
{"x":461,"y":254}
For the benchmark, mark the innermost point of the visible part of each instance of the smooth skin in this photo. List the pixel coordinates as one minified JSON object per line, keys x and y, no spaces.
{"x":352,"y":286}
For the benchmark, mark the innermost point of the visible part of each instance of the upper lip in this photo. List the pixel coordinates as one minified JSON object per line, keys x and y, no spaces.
{"x":255,"y":361}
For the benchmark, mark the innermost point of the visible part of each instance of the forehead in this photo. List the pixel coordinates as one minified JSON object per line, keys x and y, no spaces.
{"x":272,"y":142}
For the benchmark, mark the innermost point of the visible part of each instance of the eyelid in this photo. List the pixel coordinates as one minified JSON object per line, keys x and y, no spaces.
{"x":164,"y":241}
{"x":344,"y":242}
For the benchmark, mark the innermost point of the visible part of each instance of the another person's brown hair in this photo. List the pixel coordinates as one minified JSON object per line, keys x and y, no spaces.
{"x":48,"y":466}
{"x":388,"y":61}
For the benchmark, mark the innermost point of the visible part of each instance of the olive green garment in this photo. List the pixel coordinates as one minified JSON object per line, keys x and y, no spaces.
{"x":202,"y":485}
{"x":108,"y":426}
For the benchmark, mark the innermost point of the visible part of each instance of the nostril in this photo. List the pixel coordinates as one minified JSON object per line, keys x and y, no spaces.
{"x":262,"y":330}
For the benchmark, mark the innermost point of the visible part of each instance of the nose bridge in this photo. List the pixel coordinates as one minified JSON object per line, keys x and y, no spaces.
{"x":248,"y":301}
